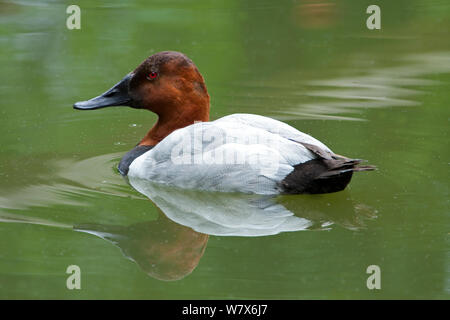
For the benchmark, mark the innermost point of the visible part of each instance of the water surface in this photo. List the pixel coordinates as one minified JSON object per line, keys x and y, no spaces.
{"x":380,"y":95}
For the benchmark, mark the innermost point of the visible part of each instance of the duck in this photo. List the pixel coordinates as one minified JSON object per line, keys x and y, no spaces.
{"x":244,"y":153}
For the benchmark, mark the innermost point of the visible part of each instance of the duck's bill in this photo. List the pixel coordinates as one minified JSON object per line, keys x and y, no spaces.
{"x":116,"y":96}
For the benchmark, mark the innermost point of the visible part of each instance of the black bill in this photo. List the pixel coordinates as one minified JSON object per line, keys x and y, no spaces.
{"x":116,"y":96}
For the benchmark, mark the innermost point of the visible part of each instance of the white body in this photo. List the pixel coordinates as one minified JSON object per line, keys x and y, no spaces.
{"x":237,"y":153}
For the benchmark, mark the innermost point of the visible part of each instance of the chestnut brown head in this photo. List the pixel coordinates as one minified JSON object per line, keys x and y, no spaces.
{"x":166,"y":83}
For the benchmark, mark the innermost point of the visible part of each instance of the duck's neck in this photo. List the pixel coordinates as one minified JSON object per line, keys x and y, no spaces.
{"x":170,"y":121}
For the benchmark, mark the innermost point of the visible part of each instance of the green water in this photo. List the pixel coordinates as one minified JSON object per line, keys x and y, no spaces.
{"x":380,"y":95}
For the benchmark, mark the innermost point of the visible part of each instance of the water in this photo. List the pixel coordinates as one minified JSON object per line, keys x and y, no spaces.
{"x":380,"y":95}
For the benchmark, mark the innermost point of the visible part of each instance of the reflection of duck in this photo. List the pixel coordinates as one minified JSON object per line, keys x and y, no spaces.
{"x":171,"y":247}
{"x":227,"y":214}
{"x":240,"y":152}
{"x":163,"y":249}
{"x":234,"y":214}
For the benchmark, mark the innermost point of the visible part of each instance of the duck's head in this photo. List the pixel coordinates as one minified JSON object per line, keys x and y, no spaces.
{"x":167,"y":83}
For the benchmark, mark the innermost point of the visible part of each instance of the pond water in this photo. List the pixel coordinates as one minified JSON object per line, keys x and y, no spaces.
{"x":380,"y":95}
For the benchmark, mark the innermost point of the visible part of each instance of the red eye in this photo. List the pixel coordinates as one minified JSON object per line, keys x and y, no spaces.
{"x":152,"y":75}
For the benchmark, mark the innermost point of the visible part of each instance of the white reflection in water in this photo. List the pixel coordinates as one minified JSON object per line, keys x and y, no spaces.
{"x":221,"y":213}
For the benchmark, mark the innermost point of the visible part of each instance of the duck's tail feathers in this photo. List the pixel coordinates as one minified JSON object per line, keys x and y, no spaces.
{"x":340,"y":166}
{"x":327,"y":173}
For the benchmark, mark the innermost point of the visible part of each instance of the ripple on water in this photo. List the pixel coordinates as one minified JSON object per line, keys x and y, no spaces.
{"x":343,"y":97}
{"x":70,"y":179}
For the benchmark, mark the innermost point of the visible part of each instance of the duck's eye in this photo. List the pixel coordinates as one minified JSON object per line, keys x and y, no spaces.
{"x":152,"y":75}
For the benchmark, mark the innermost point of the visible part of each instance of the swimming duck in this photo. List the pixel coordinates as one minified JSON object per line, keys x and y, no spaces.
{"x":237,"y":153}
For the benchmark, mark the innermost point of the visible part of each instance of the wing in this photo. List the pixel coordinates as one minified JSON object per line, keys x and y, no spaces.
{"x":273,"y":126}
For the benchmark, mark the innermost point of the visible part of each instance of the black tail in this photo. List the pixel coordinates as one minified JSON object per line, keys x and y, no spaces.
{"x":327,"y":173}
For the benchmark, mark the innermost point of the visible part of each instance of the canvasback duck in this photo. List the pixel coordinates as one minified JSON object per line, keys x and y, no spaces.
{"x":237,"y":153}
